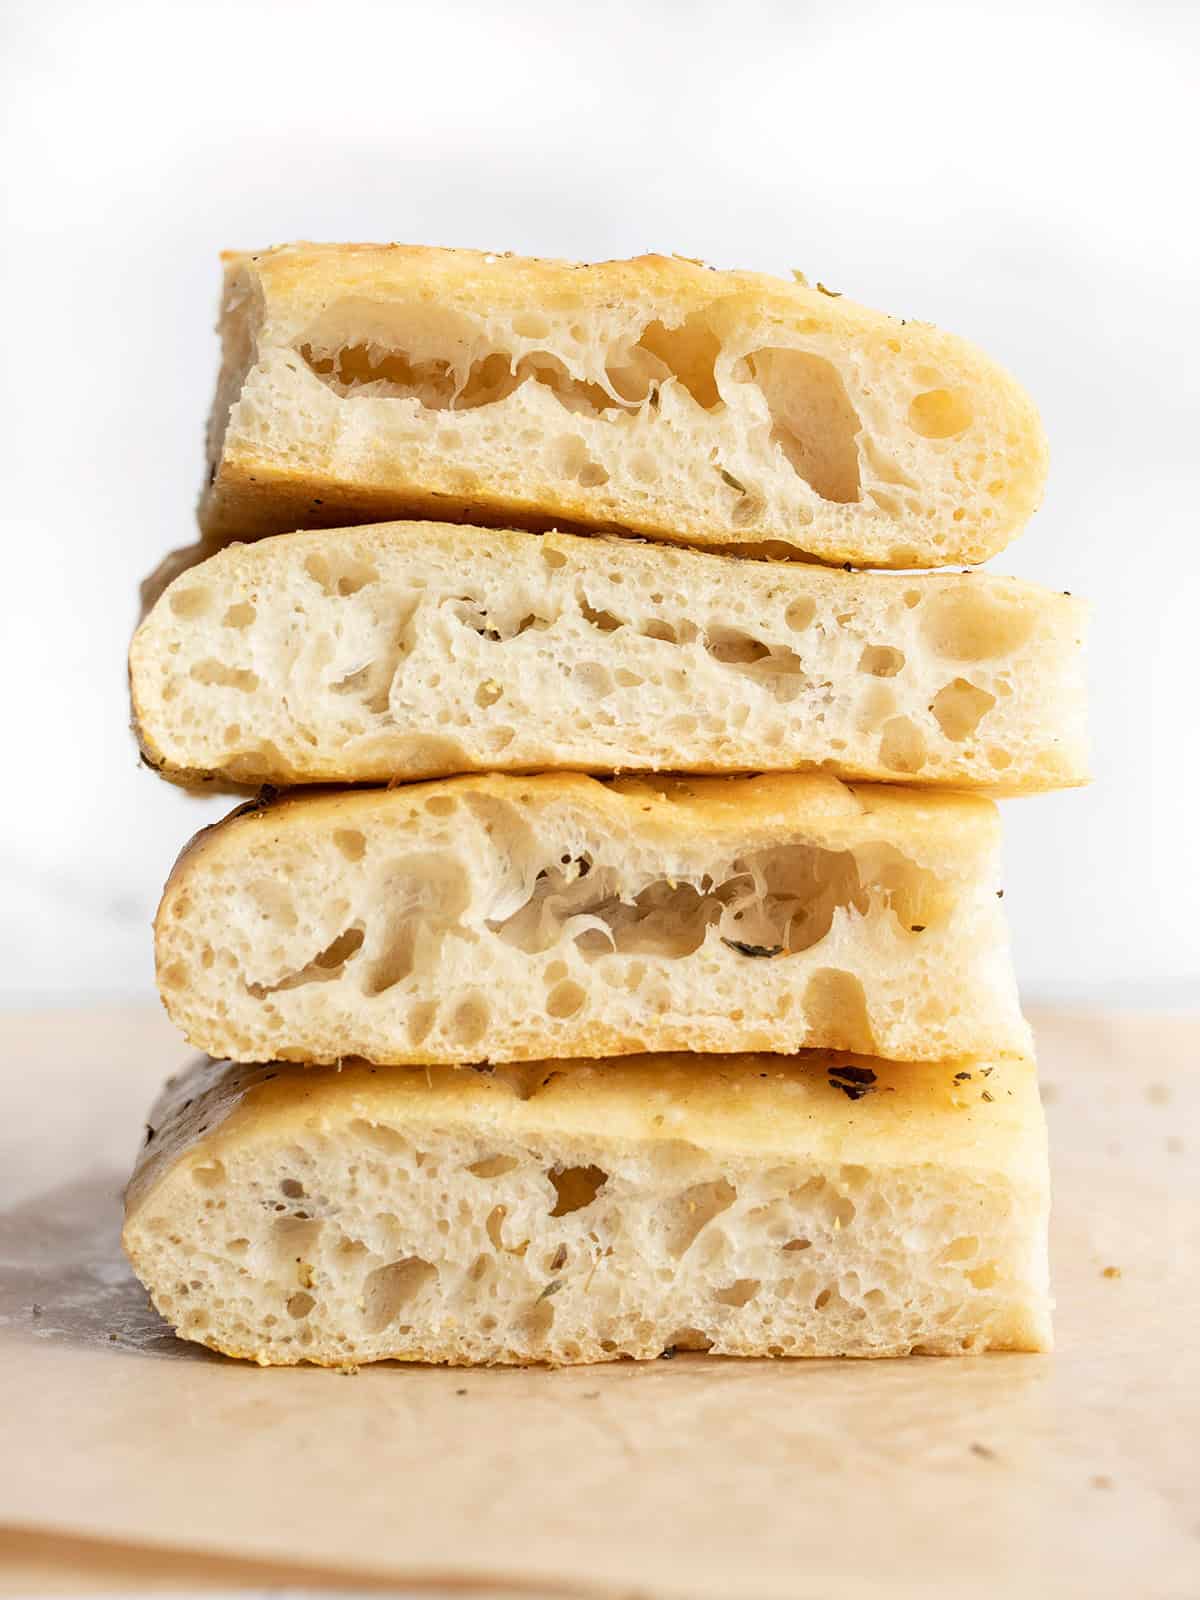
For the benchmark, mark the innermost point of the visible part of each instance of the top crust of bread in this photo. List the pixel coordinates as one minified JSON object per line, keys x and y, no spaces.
{"x":756,"y":1107}
{"x":945,"y":830}
{"x":364,"y":383}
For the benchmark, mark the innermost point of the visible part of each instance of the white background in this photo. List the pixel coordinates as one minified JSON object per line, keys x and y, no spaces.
{"x":1027,"y":177}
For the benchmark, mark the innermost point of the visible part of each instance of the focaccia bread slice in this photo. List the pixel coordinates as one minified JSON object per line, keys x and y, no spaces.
{"x":505,"y":919}
{"x":418,"y":650}
{"x":362,"y":383}
{"x":558,"y":1212}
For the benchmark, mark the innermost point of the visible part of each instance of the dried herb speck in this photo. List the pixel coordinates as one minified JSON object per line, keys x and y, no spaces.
{"x":552,"y":1287}
{"x":754,"y":949}
{"x":983,"y":1451}
{"x":854,"y":1082}
{"x":733,"y":483}
{"x":854,"y":1074}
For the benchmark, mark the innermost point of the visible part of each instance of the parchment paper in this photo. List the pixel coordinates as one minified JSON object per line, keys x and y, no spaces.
{"x":133,"y":1460}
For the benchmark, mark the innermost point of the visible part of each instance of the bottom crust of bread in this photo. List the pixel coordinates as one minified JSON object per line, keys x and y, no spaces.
{"x":561,"y":1213}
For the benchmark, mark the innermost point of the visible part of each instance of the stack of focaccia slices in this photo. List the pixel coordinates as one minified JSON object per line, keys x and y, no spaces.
{"x":639,"y":978}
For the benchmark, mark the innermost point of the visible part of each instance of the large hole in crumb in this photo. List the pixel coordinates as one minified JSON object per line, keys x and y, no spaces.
{"x":340,"y":572}
{"x":294,"y":1242}
{"x":940,"y":413}
{"x":495,"y":1227}
{"x":902,"y":745}
{"x":189,"y":600}
{"x":835,"y":1009}
{"x":223,"y":677}
{"x":351,"y":843}
{"x":687,"y":353}
{"x":970,"y":622}
{"x":389,"y":1290}
{"x":324,"y":967}
{"x":419,"y":897}
{"x":575,"y":1187}
{"x":497,"y":625}
{"x":374,"y":373}
{"x":773,"y":902}
{"x":605,"y":621}
{"x":565,"y":999}
{"x":960,"y":707}
{"x":813,"y":422}
{"x":440,"y":359}
{"x":493,"y":1166}
{"x":693,"y":1211}
{"x":538,"y":1320}
{"x":689,"y":1339}
{"x":469,"y":1022}
{"x":421,"y":1019}
{"x":739,"y":1293}
{"x":881,"y":661}
{"x":777,"y":668}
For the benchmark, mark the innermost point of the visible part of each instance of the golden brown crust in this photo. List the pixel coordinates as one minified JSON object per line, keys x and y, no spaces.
{"x":974,"y":1116}
{"x":820,"y":809}
{"x":257,"y":487}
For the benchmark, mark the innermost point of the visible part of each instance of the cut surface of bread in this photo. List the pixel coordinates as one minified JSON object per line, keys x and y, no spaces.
{"x":558,"y":1212}
{"x":361,"y":383}
{"x":419,"y":650}
{"x":504,"y":919}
